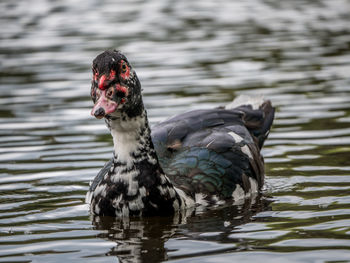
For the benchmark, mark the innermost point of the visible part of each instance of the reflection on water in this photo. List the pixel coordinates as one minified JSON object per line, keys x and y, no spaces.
{"x":188,"y":55}
{"x":190,"y":233}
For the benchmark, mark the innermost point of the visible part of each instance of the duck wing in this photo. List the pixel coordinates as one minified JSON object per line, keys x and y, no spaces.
{"x":215,"y":151}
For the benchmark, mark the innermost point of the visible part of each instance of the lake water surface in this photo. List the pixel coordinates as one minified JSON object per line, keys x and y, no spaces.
{"x":188,"y":55}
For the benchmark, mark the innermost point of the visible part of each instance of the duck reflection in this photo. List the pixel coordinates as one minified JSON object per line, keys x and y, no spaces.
{"x":144,"y":239}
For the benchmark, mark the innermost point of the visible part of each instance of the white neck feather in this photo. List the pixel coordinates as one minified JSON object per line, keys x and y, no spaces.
{"x":128,"y":138}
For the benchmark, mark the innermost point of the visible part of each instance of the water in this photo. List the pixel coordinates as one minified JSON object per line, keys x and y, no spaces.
{"x":188,"y":55}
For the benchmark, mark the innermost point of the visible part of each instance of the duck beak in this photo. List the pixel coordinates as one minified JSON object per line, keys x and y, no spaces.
{"x":103,"y":106}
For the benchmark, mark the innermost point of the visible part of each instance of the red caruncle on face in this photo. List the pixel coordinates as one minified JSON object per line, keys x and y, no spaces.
{"x":105,"y":80}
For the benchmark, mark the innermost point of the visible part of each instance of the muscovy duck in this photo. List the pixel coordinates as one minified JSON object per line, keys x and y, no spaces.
{"x":205,"y":157}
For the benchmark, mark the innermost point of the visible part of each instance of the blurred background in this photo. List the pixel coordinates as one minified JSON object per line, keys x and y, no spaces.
{"x":188,"y":55}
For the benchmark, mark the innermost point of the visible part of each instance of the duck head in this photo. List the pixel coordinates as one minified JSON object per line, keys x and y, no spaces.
{"x":115,"y":87}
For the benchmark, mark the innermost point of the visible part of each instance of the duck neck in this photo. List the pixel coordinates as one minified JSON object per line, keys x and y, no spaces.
{"x":132,"y":141}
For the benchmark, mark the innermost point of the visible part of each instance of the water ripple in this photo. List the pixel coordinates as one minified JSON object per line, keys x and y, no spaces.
{"x":188,"y":55}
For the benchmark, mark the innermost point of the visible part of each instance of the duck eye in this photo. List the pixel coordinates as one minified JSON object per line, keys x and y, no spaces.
{"x":124,"y":67}
{"x":110,"y":93}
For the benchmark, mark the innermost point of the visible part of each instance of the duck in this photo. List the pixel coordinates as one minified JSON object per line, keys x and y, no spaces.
{"x":205,"y":157}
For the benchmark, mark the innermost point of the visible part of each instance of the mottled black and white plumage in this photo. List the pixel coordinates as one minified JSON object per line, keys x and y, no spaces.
{"x":202,"y":157}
